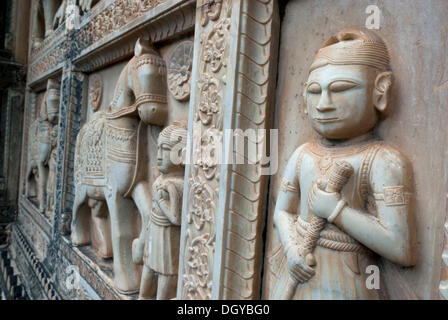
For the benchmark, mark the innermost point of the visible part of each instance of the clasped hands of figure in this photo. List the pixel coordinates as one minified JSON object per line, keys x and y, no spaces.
{"x":321,"y":204}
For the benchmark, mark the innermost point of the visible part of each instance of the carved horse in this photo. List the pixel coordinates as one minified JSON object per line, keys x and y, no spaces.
{"x":110,"y":163}
{"x":39,"y":143}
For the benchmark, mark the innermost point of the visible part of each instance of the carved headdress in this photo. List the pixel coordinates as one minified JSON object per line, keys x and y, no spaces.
{"x":50,"y":103}
{"x":353,"y":47}
{"x":174,"y":134}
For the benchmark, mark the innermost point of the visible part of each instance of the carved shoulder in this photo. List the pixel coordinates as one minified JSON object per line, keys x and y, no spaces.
{"x":390,"y":168}
{"x":290,"y":179}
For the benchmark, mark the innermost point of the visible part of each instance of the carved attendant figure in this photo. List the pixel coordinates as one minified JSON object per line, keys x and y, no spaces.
{"x":344,"y":199}
{"x":40,"y":142}
{"x":161,"y":239}
{"x":53,"y":162}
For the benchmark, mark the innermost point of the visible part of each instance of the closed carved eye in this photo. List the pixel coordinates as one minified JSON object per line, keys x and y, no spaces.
{"x":314,"y":88}
{"x":342,"y":85}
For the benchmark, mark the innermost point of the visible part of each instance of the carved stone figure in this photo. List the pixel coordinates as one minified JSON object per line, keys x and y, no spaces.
{"x":59,"y":17}
{"x":160,"y":238}
{"x":346,"y":199}
{"x":43,"y":15}
{"x":40,"y":145}
{"x":52,"y":164}
{"x":109,"y":159}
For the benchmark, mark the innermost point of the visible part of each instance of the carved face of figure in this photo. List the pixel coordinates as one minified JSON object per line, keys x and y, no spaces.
{"x":340,"y":100}
{"x":348,"y":83}
{"x":164,"y":163}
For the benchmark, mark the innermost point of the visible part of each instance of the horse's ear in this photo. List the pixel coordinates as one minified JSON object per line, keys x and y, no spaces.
{"x":143,"y":46}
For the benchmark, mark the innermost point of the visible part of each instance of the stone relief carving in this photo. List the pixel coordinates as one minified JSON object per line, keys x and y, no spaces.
{"x":86,"y":5}
{"x":346,"y":198}
{"x":54,"y":58}
{"x":210,"y":10}
{"x":109,"y":159}
{"x":159,"y":243}
{"x":200,"y":229}
{"x":95,"y":91}
{"x":115,"y":16}
{"x":179,"y":66}
{"x":59,"y":17}
{"x":44,"y":17}
{"x":52,"y":166}
{"x":247,"y":184}
{"x":40,"y":145}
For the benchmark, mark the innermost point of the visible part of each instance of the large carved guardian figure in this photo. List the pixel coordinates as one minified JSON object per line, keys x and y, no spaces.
{"x":40,"y":145}
{"x":346,"y":199}
{"x":109,"y":160}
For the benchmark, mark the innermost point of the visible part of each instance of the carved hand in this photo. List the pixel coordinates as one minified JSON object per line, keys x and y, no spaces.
{"x":297,"y":266}
{"x":320,"y":202}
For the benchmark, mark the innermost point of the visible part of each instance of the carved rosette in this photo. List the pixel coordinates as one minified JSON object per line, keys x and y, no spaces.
{"x":203,"y":182}
{"x":179,"y":70}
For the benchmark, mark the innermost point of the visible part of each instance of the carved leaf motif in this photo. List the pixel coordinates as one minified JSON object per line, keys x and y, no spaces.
{"x":209,"y":100}
{"x":210,"y":10}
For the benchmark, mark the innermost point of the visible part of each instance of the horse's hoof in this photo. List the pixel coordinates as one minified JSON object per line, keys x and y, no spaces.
{"x":127,"y":292}
{"x":79,"y":243}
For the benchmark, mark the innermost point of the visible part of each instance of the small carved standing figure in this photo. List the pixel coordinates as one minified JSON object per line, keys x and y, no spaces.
{"x":159,"y":244}
{"x":52,"y":164}
{"x":345,"y":200}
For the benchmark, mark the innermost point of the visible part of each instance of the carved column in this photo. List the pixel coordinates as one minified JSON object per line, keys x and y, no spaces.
{"x":72,"y":111}
{"x":223,"y":207}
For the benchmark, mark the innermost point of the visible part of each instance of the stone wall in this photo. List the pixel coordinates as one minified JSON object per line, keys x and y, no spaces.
{"x":225,"y":65}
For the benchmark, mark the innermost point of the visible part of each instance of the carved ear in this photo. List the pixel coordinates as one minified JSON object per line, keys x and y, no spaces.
{"x":383,"y":83}
{"x":142,"y":46}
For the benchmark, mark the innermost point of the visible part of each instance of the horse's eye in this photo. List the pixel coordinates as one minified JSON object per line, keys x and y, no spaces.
{"x":314,"y":88}
{"x":342,"y":85}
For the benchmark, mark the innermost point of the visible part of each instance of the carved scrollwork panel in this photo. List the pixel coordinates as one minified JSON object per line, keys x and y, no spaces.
{"x":199,"y":225}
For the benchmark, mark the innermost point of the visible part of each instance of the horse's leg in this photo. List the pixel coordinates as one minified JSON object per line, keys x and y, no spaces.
{"x":43,"y":175}
{"x":102,"y":227}
{"x":148,"y":285}
{"x":142,"y":198}
{"x":166,"y":287}
{"x":126,"y":273}
{"x":81,"y":216}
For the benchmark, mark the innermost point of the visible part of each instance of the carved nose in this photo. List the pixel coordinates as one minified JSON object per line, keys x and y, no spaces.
{"x":325,"y":103}
{"x":325,"y":107}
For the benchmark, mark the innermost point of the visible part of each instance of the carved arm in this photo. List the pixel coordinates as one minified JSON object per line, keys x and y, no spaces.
{"x":391,"y":233}
{"x":171,"y":207}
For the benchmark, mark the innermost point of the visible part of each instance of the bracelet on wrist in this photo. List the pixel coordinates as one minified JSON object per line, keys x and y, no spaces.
{"x":337,"y":210}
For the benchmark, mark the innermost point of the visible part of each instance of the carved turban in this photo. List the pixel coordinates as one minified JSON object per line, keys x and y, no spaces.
{"x":353,"y":47}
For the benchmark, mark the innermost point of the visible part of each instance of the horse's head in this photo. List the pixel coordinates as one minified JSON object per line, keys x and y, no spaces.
{"x":148,"y":77}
